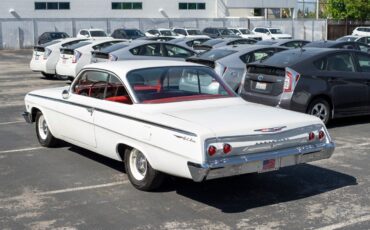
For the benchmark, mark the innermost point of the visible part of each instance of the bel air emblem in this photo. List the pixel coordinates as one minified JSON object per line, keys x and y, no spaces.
{"x":270,"y":130}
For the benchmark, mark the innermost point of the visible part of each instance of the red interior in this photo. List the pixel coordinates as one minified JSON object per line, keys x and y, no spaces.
{"x":120,"y":99}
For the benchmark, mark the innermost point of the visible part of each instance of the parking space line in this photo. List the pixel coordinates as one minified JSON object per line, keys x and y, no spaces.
{"x":11,"y":122}
{"x":20,"y":150}
{"x":66,"y":190}
{"x":346,"y":223}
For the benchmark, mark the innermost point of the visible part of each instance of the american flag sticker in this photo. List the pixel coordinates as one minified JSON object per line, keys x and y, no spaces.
{"x":268,"y":164}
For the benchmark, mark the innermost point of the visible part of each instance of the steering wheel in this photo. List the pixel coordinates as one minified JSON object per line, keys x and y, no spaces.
{"x":98,"y":82}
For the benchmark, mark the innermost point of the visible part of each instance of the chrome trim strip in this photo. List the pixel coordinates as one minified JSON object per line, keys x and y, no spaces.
{"x":120,"y":115}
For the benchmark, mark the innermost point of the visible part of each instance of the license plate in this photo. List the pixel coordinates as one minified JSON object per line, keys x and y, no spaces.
{"x":261,"y":85}
{"x":269,"y":165}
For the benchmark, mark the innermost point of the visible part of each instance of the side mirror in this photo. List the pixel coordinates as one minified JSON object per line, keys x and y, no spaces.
{"x":65,"y":94}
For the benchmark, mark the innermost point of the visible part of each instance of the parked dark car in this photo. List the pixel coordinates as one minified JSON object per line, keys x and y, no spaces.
{"x":327,"y":83}
{"x":289,"y":43}
{"x":221,"y":32}
{"x":340,"y":44}
{"x":124,"y":33}
{"x":50,"y":36}
{"x":219,"y":42}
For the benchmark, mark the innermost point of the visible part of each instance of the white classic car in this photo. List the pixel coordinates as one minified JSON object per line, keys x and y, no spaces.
{"x":159,"y":118}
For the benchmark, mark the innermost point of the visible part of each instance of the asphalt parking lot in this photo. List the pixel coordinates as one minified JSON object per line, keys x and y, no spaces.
{"x":71,"y":188}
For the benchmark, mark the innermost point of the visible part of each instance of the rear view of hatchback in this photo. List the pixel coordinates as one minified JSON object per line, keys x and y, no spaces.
{"x":327,"y":83}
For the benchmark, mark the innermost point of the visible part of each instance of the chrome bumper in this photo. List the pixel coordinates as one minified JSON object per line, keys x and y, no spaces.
{"x":27,"y":117}
{"x":244,"y":164}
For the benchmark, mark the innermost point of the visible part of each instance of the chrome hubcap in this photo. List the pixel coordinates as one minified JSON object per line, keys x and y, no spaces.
{"x":43,"y":128}
{"x":138,"y":164}
{"x":320,"y":111}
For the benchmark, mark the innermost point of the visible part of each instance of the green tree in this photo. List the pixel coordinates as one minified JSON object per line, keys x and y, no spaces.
{"x":351,"y":9}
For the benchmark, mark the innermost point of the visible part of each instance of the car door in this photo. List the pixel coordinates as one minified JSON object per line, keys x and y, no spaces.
{"x":347,"y":87}
{"x":363,"y":64}
{"x":78,"y":109}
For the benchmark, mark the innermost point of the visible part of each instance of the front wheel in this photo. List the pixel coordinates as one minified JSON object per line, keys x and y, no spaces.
{"x":321,"y":109}
{"x":139,"y":171}
{"x":43,"y":133}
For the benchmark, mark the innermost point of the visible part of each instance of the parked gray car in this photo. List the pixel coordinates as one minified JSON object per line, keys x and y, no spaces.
{"x":142,"y":49}
{"x":229,"y":62}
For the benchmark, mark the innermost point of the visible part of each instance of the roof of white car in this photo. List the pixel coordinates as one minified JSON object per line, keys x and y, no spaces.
{"x":93,"y":29}
{"x":123,"y":67}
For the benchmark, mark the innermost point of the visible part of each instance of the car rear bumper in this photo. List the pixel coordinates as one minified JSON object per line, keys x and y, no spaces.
{"x":41,"y":65}
{"x":244,"y":164}
{"x":66,"y":69}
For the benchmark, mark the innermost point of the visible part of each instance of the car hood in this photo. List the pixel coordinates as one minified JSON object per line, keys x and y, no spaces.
{"x":234,"y":116}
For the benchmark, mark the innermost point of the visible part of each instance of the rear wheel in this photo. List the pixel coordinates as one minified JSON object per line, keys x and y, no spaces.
{"x":321,"y":109}
{"x":140,"y":173}
{"x":48,"y":75}
{"x":43,"y":133}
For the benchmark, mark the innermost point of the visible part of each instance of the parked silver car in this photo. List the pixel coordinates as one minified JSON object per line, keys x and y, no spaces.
{"x":229,"y":62}
{"x":142,"y":49}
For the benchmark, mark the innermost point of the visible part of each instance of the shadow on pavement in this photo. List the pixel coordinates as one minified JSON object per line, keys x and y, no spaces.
{"x":348,"y":121}
{"x":240,"y":193}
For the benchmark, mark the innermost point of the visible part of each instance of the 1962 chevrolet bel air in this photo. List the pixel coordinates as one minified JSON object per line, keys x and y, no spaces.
{"x":165,"y":117}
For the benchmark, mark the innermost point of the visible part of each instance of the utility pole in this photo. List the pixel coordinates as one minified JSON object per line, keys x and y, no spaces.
{"x":317,"y":8}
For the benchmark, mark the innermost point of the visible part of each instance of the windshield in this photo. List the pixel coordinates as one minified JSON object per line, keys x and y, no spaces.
{"x":215,"y":54}
{"x":276,"y":31}
{"x":347,"y":39}
{"x":226,"y":32}
{"x":178,"y":83}
{"x":167,"y":33}
{"x":245,"y":31}
{"x":98,"y":34}
{"x":194,"y":32}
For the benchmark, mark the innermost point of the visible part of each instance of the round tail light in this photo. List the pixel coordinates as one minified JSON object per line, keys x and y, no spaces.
{"x":227,"y":148}
{"x":321,"y":134}
{"x":212,"y":150}
{"x":311,"y":136}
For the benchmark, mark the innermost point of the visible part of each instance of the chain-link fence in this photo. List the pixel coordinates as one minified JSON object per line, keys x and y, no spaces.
{"x":23,"y":33}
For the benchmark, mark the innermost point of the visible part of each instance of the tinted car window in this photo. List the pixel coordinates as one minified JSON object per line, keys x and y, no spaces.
{"x":216,"y":54}
{"x":176,"y":51}
{"x":245,"y":31}
{"x":194,"y":32}
{"x":364,"y":62}
{"x":98,"y":34}
{"x":257,"y":55}
{"x":212,"y":42}
{"x":242,"y":41}
{"x":114,"y":47}
{"x":148,"y":50}
{"x":276,"y":31}
{"x":167,"y":33}
{"x":340,"y":62}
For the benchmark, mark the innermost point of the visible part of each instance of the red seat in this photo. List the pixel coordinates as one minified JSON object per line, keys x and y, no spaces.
{"x":120,"y":99}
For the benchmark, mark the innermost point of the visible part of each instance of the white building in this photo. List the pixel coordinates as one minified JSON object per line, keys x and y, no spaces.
{"x":144,"y":8}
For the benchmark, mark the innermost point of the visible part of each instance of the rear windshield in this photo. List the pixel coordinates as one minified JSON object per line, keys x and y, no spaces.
{"x":114,"y":47}
{"x":194,"y":32}
{"x":285,"y":58}
{"x":133,"y":33}
{"x":266,"y":42}
{"x":215,"y":54}
{"x":58,"y":35}
{"x":276,"y":31}
{"x":245,"y":31}
{"x":178,"y":83}
{"x":213,"y":42}
{"x":98,"y":34}
{"x":78,"y":45}
{"x":167,"y":33}
{"x":347,"y":39}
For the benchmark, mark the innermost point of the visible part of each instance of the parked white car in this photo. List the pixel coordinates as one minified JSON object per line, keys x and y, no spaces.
{"x":271,"y":33}
{"x":72,"y":59}
{"x":158,"y":117}
{"x":162,"y":32}
{"x":362,"y":31}
{"x":246,"y":33}
{"x":92,"y":34}
{"x":45,"y":57}
{"x":190,"y":32}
